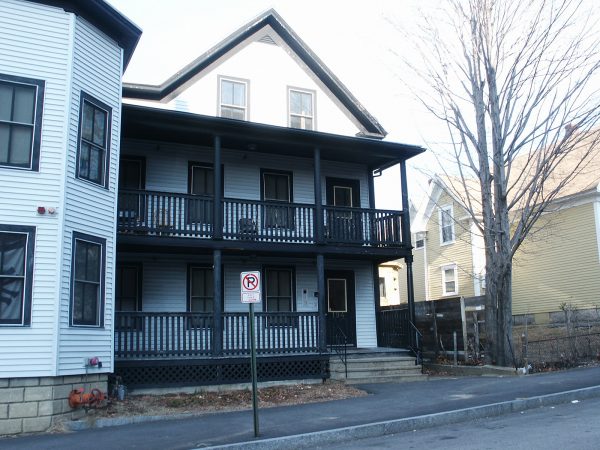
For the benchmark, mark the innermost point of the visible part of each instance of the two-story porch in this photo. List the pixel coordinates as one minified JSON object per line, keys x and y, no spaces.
{"x":295,"y":204}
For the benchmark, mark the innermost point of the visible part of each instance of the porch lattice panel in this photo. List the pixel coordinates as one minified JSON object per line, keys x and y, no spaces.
{"x":221,"y":371}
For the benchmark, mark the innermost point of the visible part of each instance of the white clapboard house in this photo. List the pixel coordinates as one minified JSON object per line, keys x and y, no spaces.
{"x":252,"y":157}
{"x":61,"y":64}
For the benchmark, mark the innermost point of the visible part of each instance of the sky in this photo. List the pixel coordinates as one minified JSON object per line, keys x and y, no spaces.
{"x":358,"y":40}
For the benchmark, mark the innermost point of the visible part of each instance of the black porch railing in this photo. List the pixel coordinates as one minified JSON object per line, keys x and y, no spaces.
{"x":170,"y":214}
{"x":140,"y":335}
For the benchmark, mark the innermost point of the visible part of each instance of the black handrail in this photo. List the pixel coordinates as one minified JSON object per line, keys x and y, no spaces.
{"x":340,"y":346}
{"x":416,"y":343}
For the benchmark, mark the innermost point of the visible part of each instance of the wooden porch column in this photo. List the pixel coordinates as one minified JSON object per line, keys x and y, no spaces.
{"x":318,"y":225}
{"x":217,"y":337}
{"x":322,"y":303}
{"x":218,"y":203}
{"x":371,"y":188}
{"x":406,"y":240}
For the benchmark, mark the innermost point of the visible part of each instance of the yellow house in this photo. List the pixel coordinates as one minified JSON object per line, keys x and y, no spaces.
{"x":557,"y":265}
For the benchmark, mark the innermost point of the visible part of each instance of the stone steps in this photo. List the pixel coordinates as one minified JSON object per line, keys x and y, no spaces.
{"x":376,"y":367}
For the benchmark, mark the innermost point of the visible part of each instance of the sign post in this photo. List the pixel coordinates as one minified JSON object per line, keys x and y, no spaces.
{"x":250,"y":294}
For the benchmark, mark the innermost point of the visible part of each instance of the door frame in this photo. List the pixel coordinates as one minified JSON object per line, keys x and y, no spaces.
{"x":349,"y":322}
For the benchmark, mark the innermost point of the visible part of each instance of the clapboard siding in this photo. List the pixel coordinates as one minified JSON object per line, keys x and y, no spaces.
{"x":167,"y":170}
{"x":34,"y":43}
{"x":558,"y":263}
{"x":89,"y":208}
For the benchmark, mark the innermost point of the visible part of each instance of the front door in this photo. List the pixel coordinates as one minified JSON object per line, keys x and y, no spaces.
{"x":341,"y":315}
{"x":344,"y":222}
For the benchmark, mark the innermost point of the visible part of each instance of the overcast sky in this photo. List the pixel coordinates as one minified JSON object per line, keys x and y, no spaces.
{"x":358,"y":40}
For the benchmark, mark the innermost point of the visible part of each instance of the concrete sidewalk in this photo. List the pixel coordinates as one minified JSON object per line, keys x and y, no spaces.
{"x":388,"y":408}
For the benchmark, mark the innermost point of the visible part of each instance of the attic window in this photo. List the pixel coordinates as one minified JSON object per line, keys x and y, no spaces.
{"x":267,"y":39}
{"x":301,"y":109}
{"x":233,"y":98}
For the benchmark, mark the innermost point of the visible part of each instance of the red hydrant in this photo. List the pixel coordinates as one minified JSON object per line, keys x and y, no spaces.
{"x":78,"y":398}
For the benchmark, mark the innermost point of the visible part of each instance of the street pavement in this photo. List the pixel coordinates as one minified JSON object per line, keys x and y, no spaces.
{"x":386,"y":402}
{"x":572,"y":425}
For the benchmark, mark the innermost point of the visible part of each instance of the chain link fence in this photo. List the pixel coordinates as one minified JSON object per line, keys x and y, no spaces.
{"x":559,"y":352}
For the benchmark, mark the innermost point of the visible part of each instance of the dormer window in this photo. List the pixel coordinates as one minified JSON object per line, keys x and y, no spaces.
{"x":301,"y":109}
{"x":233,"y":98}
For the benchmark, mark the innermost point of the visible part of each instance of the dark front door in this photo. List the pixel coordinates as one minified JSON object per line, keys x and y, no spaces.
{"x":132,"y":177}
{"x":341,"y":311}
{"x":343,"y":217}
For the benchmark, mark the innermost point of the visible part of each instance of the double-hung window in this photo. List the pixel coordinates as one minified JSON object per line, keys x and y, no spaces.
{"x":446,"y":224}
{"x":279,"y":294}
{"x":277,"y":191}
{"x":233,"y":98}
{"x":87,"y":275}
{"x":21,"y":101}
{"x":201,"y":290}
{"x":449,"y":280}
{"x":16,"y":274}
{"x":93,"y":152}
{"x":301,"y":109}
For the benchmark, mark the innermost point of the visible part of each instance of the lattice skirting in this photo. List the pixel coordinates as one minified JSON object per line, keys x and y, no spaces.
{"x":147,"y":374}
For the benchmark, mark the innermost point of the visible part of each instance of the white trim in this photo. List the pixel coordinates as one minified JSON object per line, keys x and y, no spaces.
{"x":454,"y":268}
{"x":220,"y":104}
{"x":449,"y":209}
{"x":345,"y":292}
{"x":597,"y":223}
{"x":312,"y":117}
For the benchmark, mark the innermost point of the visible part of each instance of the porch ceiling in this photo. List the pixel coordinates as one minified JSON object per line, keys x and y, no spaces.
{"x":141,"y":122}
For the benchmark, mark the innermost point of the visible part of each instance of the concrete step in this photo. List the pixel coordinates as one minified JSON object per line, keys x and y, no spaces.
{"x":387,"y":379}
{"x":369,"y":364}
{"x":374,"y":372}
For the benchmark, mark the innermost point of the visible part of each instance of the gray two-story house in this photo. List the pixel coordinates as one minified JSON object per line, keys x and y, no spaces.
{"x":252,"y":157}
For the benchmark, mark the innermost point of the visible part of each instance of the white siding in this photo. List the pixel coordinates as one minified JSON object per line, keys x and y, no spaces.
{"x":167,"y":170}
{"x":268,"y":89}
{"x":34,"y":43}
{"x":97,"y":63}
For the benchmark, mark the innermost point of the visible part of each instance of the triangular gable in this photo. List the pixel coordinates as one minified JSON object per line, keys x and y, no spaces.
{"x":268,"y":26}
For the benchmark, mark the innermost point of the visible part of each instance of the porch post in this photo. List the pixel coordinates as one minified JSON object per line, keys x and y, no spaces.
{"x":406,"y":240}
{"x":376,"y":296}
{"x":322,"y":303}
{"x":318,"y":225}
{"x":371,"y":188}
{"x":217,"y":346}
{"x":218,"y":203}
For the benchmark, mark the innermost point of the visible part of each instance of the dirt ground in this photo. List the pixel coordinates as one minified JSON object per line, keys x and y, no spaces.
{"x":211,"y":402}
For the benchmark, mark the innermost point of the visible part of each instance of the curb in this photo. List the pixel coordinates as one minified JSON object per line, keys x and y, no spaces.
{"x":323,"y":438}
{"x":88,"y":423}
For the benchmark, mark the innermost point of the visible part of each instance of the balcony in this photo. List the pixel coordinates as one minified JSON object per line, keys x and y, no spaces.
{"x":167,"y":214}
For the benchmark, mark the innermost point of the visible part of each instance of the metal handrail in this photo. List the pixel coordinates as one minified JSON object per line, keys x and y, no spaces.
{"x":416,"y":345}
{"x":335,"y":346}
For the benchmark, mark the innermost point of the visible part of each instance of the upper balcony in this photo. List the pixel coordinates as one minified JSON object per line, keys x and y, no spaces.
{"x":279,"y":189}
{"x":168,"y":214}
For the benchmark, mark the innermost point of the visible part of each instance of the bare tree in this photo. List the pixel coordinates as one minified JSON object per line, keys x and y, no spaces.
{"x":516,"y":85}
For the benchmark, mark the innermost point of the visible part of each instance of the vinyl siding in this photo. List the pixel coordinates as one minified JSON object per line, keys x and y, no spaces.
{"x":90,"y":208}
{"x":559,"y":264}
{"x":34,"y":43}
{"x":167,"y":170}
{"x":165,"y":278}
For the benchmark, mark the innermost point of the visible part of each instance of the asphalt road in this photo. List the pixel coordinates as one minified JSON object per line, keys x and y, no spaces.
{"x":561,"y":427}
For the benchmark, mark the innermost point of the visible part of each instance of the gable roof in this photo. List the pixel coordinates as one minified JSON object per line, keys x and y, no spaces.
{"x":107,"y":19}
{"x":269,"y":21}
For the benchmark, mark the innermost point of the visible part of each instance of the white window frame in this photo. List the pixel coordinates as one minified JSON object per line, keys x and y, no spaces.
{"x":246,"y":84}
{"x":419,"y":237}
{"x":454,"y":268}
{"x":313,"y":118}
{"x":450,"y":212}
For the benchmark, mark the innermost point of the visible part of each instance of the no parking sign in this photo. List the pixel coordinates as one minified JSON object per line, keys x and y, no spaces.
{"x":250,"y":282}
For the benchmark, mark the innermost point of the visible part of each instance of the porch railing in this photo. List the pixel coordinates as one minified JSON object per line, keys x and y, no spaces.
{"x":174,"y":335}
{"x":394,"y":327}
{"x":170,"y":214}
